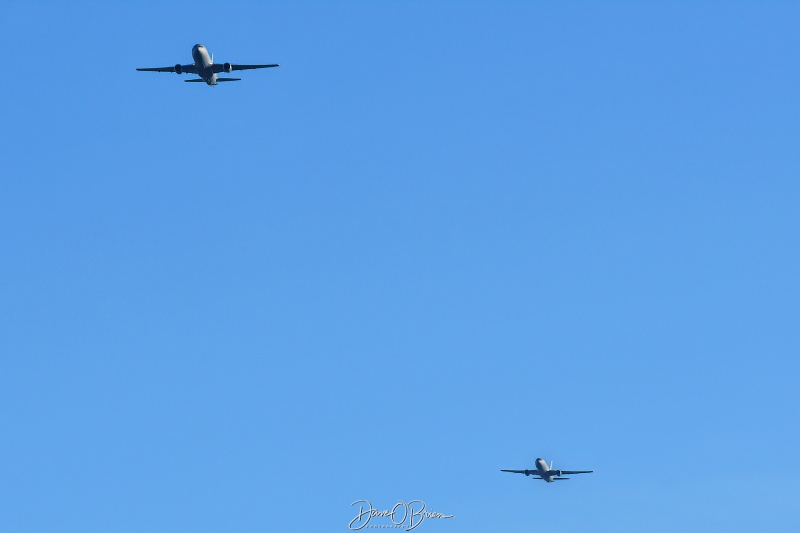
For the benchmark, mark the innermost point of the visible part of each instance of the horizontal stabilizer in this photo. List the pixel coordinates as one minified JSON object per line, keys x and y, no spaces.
{"x":228,"y":79}
{"x":560,"y":478}
{"x":195,"y":81}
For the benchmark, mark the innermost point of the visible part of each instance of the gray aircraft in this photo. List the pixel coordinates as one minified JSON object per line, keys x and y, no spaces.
{"x":205,"y":67}
{"x":542,"y":471}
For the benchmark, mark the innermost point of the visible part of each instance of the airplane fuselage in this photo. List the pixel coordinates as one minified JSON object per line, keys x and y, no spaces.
{"x":542,"y":470}
{"x":203,"y":62}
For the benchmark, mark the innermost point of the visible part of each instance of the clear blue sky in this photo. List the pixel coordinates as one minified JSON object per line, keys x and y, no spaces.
{"x":441,"y":239}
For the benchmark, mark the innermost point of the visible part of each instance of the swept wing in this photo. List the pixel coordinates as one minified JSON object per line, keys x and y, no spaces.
{"x":221,"y":67}
{"x":526,"y":472}
{"x":251,"y":67}
{"x":189,"y":69}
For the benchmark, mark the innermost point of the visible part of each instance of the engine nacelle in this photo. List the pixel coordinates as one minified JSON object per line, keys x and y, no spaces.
{"x":178,"y":68}
{"x":227,"y":67}
{"x":558,"y":473}
{"x":527,"y":472}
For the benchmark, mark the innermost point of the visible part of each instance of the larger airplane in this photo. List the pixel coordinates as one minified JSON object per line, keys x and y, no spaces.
{"x":205,"y":67}
{"x":542,"y":471}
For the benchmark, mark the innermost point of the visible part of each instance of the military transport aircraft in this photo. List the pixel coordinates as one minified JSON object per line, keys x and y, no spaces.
{"x":542,"y":471}
{"x":205,"y":67}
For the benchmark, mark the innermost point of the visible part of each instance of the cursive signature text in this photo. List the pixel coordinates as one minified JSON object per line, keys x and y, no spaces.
{"x":404,"y":514}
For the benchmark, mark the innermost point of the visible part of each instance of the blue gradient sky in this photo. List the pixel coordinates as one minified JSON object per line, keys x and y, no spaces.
{"x":440,"y":240}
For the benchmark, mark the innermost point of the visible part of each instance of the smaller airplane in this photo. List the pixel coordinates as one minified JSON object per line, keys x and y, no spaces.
{"x":542,"y":471}
{"x":205,"y":67}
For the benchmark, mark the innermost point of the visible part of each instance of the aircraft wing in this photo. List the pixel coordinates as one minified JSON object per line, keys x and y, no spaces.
{"x":527,"y":472}
{"x":565,"y":472}
{"x":251,"y":67}
{"x":189,"y":69}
